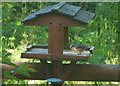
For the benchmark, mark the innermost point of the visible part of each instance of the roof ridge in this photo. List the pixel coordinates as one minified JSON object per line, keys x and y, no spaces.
{"x":77,"y":12}
{"x":61,"y":5}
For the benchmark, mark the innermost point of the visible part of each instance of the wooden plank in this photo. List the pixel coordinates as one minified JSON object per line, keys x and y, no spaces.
{"x":56,"y":19}
{"x":56,"y":68}
{"x":53,"y":56}
{"x":81,"y":72}
{"x":40,"y":46}
{"x":67,"y":72}
{"x":40,"y":53}
{"x":44,"y":64}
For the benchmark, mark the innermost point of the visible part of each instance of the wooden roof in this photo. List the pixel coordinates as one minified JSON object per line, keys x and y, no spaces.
{"x":74,"y":12}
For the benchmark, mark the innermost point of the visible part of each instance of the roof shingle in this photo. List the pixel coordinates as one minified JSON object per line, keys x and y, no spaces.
{"x":74,"y":12}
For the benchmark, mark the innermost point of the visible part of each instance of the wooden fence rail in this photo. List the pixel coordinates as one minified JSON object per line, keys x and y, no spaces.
{"x":81,"y":72}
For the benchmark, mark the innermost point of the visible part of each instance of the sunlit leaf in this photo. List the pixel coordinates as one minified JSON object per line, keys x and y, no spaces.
{"x":18,"y":23}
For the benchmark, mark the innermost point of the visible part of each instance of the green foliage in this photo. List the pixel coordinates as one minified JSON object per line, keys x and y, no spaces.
{"x":7,"y":74}
{"x":23,"y":69}
{"x":101,"y":32}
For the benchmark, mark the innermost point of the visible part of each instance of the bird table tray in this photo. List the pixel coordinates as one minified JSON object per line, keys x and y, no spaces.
{"x":41,"y":52}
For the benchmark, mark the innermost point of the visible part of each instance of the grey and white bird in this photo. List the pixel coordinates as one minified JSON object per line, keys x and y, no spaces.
{"x":80,"y":48}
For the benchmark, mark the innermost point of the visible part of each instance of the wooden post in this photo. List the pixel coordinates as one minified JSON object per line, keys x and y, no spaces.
{"x":66,"y":43}
{"x":56,"y":46}
{"x":55,"y":40}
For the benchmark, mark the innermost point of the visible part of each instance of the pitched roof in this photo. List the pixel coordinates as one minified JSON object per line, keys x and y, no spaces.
{"x":74,"y":12}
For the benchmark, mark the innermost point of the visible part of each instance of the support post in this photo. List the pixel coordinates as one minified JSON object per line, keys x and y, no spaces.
{"x":55,"y":40}
{"x":66,"y":43}
{"x":56,"y":46}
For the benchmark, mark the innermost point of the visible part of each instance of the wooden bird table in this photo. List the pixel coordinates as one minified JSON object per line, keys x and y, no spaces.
{"x":58,"y":18}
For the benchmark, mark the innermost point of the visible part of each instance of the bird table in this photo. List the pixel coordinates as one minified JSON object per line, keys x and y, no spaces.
{"x":58,"y":18}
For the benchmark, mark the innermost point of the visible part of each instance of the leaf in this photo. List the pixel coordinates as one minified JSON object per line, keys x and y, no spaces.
{"x":13,"y":77}
{"x":7,"y":74}
{"x":18,"y":23}
{"x":24,"y":69}
{"x":31,"y":70}
{"x":24,"y":73}
{"x":6,"y":60}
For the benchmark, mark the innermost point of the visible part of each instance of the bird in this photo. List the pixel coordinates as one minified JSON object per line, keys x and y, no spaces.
{"x":80,"y":48}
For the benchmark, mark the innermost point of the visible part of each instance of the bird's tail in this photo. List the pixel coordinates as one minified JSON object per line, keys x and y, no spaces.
{"x":90,"y":48}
